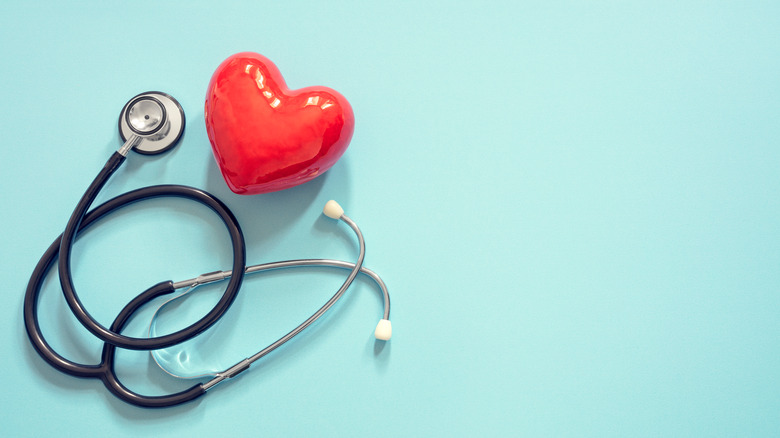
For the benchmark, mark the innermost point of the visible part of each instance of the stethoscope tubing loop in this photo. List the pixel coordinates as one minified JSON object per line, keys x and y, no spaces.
{"x":71,"y":232}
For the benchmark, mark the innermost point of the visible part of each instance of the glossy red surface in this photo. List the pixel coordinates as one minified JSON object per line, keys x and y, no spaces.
{"x":266,"y":137}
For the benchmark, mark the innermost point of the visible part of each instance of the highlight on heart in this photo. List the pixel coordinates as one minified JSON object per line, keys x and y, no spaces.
{"x":266,"y":137}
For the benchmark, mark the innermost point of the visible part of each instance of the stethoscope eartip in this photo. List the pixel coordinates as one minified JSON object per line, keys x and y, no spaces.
{"x":384,"y":330}
{"x":333,"y":210}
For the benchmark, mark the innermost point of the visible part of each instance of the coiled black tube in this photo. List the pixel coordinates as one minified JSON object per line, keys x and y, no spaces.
{"x":72,"y":230}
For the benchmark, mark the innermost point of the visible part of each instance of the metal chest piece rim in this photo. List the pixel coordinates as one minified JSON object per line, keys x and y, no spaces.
{"x":154,"y":116}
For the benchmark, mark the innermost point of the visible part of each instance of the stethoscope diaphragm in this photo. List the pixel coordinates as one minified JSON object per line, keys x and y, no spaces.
{"x":154,"y":116}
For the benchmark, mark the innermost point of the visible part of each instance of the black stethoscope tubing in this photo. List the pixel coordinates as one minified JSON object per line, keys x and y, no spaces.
{"x":72,"y":229}
{"x":105,"y":369}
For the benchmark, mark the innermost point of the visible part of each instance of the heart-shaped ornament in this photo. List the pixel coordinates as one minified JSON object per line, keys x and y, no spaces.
{"x":266,"y":137}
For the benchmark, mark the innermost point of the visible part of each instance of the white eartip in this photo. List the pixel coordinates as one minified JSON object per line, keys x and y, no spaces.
{"x":384,"y":330}
{"x":333,"y":210}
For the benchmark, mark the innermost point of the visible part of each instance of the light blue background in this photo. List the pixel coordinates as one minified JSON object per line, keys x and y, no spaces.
{"x":575,"y":206}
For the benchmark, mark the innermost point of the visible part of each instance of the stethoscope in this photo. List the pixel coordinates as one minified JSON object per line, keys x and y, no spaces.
{"x":152,"y":123}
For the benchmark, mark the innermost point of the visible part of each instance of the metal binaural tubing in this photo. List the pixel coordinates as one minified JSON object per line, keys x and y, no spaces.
{"x":265,"y":267}
{"x":244,"y":364}
{"x":286,"y":264}
{"x":331,"y":301}
{"x":327,"y":263}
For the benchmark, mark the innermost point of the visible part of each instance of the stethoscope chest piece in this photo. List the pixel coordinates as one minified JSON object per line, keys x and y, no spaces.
{"x":155,"y":117}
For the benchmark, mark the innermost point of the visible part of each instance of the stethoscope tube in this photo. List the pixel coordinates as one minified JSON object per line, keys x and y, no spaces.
{"x":47,"y":260}
{"x":71,"y":231}
{"x":105,"y":369}
{"x":108,"y":375}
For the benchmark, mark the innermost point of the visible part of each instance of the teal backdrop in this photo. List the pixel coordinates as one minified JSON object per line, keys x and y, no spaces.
{"x":575,"y":205}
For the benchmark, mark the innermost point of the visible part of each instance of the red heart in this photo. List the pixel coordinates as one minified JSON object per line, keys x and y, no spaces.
{"x":266,"y":137}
